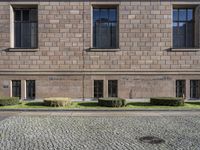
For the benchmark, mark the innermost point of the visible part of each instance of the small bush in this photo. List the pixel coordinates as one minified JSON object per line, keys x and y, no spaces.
{"x":57,"y":101}
{"x":112,"y":102}
{"x":167,"y":101}
{"x":5,"y":101}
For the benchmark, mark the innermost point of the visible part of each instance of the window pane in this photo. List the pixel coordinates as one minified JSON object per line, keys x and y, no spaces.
{"x":190,"y":14}
{"x":98,"y":88}
{"x":17,"y":34}
{"x":195,"y":89}
{"x":104,"y":15}
{"x":113,"y":28}
{"x":17,"y":15}
{"x":113,"y":15}
{"x":34,"y":35}
{"x":33,"y":15}
{"x":26,"y":35}
{"x":96,"y":15}
{"x":104,"y":27}
{"x":96,"y":21}
{"x":175,"y":14}
{"x":30,"y":89}
{"x":175,"y":35}
{"x":183,"y":28}
{"x":190,"y":34}
{"x":26,"y":29}
{"x":16,"y":88}
{"x":180,"y":88}
{"x":182,"y":35}
{"x":103,"y":35}
{"x":25,"y":15}
{"x":112,"y":88}
{"x":182,"y":14}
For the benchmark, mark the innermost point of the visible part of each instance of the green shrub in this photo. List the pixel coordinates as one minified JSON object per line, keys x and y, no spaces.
{"x":4,"y":101}
{"x":167,"y":101}
{"x":112,"y":102}
{"x":57,"y":101}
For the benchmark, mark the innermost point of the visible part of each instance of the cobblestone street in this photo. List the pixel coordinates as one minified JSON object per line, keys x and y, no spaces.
{"x":63,"y":132}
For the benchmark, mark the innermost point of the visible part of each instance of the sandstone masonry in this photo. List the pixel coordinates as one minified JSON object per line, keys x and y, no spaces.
{"x":145,"y":64}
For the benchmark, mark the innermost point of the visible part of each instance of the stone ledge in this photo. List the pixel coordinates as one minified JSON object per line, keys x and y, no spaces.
{"x":22,"y":50}
{"x":49,"y":73}
{"x":103,"y":50}
{"x":185,"y":49}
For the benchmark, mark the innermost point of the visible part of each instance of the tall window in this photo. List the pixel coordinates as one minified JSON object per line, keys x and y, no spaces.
{"x":112,"y":88}
{"x":183,"y":28}
{"x":26,"y":27}
{"x":180,"y":88}
{"x":30,"y":89}
{"x":16,"y":88}
{"x":98,"y":88}
{"x":105,"y":27}
{"x":195,"y":89}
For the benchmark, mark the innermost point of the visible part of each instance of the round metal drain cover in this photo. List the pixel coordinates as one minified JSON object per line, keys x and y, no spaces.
{"x":151,"y":140}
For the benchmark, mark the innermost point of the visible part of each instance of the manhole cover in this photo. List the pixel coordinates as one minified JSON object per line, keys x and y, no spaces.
{"x":151,"y":140}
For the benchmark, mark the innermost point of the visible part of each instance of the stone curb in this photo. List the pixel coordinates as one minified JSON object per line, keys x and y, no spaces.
{"x":96,"y":110}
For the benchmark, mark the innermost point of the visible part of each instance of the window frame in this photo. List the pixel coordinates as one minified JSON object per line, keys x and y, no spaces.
{"x":27,"y":89}
{"x":117,"y":92}
{"x":197,"y":90}
{"x":109,"y":6}
{"x":14,"y":48}
{"x":98,"y":90}
{"x":19,"y":86}
{"x":178,"y":21}
{"x":183,"y":86}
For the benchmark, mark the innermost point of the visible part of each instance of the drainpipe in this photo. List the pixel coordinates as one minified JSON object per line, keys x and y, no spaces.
{"x":83,"y":67}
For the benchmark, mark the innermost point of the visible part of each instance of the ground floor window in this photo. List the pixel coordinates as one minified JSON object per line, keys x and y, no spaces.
{"x":180,"y":88}
{"x":112,"y":88}
{"x":195,"y":89}
{"x":30,"y":89}
{"x":98,"y":88}
{"x":16,"y":88}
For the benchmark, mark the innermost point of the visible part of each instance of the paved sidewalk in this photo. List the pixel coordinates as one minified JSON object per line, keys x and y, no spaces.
{"x":100,"y":130}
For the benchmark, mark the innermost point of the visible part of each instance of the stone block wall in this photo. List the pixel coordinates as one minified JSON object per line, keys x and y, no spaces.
{"x":65,"y":39}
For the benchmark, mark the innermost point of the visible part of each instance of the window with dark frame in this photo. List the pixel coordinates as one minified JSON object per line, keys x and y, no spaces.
{"x":25,"y":27}
{"x":183,"y":27}
{"x":16,"y":88}
{"x":180,"y":88}
{"x":30,"y":89}
{"x":194,"y":89}
{"x":112,"y":88}
{"x":105,"y":27}
{"x":98,"y":88}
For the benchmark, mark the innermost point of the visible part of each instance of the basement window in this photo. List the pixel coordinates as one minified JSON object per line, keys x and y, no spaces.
{"x":30,"y":89}
{"x":16,"y":88}
{"x":98,"y":88}
{"x":180,"y":88}
{"x":112,"y":88}
{"x":194,"y":89}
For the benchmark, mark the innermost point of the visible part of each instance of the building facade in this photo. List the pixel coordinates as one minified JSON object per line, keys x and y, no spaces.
{"x":97,"y":48}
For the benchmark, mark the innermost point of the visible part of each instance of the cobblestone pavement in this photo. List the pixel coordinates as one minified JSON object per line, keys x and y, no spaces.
{"x":59,"y":132}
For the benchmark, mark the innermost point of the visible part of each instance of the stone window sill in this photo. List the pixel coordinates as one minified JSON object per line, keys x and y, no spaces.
{"x":103,"y":49}
{"x":22,"y":50}
{"x":185,"y":49}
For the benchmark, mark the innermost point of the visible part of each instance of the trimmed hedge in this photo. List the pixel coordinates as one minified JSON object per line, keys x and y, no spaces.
{"x":112,"y":102}
{"x":167,"y":101}
{"x":57,"y":101}
{"x":5,"y":101}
